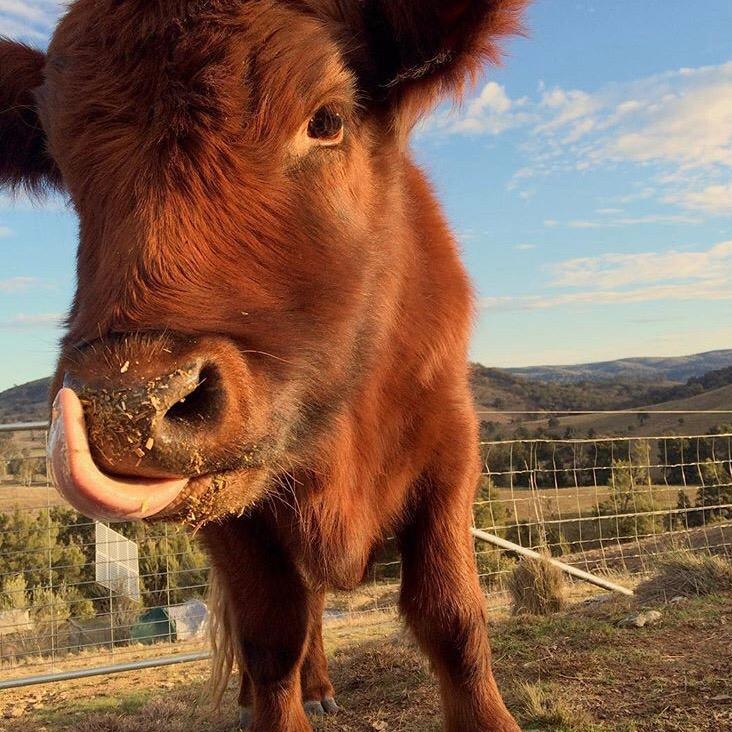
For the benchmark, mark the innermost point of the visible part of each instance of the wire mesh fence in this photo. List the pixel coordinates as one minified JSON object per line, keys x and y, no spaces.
{"x":75,"y":594}
{"x":611,"y":504}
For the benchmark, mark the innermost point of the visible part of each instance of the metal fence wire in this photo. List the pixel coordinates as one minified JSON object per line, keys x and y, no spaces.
{"x":76,"y":594}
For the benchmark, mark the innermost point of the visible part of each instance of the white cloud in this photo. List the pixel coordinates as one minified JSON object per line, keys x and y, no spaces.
{"x":678,"y":122}
{"x":491,"y":112}
{"x":22,"y":9}
{"x":632,"y":278}
{"x":23,"y":321}
{"x":5,"y":232}
{"x":18,"y":284}
{"x":620,"y":221}
{"x":681,"y":118}
{"x":606,"y":297}
{"x":621,"y":270}
{"x":715,"y":199}
{"x":524,"y":247}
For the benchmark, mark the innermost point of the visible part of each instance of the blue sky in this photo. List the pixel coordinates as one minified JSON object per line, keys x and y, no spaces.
{"x":589,"y":181}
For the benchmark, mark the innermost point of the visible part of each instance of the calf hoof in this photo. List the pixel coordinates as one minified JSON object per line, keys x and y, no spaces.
{"x":313,"y":708}
{"x":245,"y":717}
{"x":316,"y":708}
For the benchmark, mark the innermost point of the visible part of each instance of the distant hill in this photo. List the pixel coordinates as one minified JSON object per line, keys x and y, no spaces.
{"x":498,"y":390}
{"x":679,"y":369}
{"x":25,"y":403}
{"x":644,"y":424}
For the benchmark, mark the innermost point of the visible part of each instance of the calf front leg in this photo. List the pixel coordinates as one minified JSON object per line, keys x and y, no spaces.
{"x":270,"y":609}
{"x":317,"y":689}
{"x":443,"y":604}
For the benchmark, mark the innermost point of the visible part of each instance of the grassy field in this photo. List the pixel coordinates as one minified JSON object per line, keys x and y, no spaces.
{"x":522,"y":505}
{"x":573,"y":672}
{"x":28,"y":497}
{"x":657,"y":424}
{"x":526,"y":505}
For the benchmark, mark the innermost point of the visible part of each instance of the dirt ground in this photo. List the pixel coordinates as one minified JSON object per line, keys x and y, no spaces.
{"x":573,"y":672}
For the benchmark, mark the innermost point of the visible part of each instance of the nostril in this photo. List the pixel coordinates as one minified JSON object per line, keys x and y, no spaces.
{"x":202,"y":404}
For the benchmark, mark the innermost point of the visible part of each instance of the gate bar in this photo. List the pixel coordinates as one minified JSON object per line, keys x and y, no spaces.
{"x":104,"y":670}
{"x":578,"y":573}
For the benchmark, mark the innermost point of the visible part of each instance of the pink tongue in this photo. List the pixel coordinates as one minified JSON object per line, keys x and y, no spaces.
{"x":82,"y":484}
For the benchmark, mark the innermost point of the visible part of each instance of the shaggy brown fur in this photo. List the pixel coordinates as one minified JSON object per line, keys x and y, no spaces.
{"x":312,"y":284}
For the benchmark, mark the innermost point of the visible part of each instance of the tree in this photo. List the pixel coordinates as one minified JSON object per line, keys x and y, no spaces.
{"x":686,"y":516}
{"x":630,"y":503}
{"x":715,"y":493}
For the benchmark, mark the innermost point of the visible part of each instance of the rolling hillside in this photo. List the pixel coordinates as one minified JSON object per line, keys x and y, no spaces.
{"x":645,"y":425}
{"x":679,"y":369}
{"x":498,"y":391}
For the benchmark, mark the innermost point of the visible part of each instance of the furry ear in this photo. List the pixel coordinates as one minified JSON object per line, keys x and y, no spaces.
{"x":24,"y":161}
{"x":409,"y":54}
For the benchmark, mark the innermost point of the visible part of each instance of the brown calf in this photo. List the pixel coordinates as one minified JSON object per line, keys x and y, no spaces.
{"x":268,"y":338}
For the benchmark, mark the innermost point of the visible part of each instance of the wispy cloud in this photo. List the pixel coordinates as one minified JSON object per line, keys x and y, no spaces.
{"x":18,"y":284}
{"x":681,"y":120}
{"x":716,"y":199}
{"x":491,"y":111}
{"x":678,"y":122}
{"x":622,"y":270}
{"x":29,"y":19}
{"x":631,"y":278}
{"x":5,"y":231}
{"x":616,"y":222}
{"x":23,"y":321}
{"x":606,"y":297}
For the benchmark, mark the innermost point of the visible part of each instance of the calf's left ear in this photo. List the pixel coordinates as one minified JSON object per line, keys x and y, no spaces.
{"x":24,"y":161}
{"x":411,"y":53}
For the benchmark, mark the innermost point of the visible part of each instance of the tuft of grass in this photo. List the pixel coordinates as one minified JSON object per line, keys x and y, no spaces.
{"x":540,"y":707}
{"x":537,"y":588}
{"x":688,"y":574}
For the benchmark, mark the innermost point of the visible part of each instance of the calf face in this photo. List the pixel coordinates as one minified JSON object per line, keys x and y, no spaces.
{"x":237,"y":170}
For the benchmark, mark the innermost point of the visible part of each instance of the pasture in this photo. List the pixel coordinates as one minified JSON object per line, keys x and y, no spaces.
{"x":573,"y":672}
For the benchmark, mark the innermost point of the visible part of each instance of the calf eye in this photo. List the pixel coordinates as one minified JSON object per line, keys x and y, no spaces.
{"x":326,"y":126}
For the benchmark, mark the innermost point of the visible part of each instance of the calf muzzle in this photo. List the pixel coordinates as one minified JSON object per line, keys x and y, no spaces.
{"x":138,"y":419}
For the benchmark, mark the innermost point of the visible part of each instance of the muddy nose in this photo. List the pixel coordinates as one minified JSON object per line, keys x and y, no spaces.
{"x":155,"y":426}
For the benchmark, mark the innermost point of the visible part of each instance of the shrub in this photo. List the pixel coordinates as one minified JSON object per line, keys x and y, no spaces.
{"x":13,"y":594}
{"x":688,"y":573}
{"x":537,"y":587}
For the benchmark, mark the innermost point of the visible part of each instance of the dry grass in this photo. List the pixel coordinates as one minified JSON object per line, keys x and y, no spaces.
{"x":571,"y":672}
{"x":526,"y":505}
{"x":537,"y":588}
{"x":686,"y":573}
{"x":542,"y":706}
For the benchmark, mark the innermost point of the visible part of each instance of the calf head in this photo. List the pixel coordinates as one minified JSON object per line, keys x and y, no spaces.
{"x":235,"y":167}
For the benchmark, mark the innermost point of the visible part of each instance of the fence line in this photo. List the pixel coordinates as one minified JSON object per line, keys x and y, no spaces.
{"x":599,"y":504}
